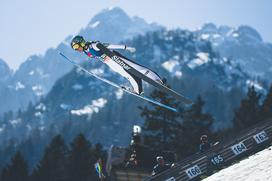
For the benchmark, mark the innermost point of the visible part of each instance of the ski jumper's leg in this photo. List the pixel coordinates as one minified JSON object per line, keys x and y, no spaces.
{"x":135,"y":82}
{"x":144,"y":70}
{"x":147,"y":72}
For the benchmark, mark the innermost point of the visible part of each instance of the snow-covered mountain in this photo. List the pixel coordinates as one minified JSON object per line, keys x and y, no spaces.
{"x":113,"y":25}
{"x":243,"y":44}
{"x":36,"y":76}
{"x":79,"y":103}
{"x":256,"y":167}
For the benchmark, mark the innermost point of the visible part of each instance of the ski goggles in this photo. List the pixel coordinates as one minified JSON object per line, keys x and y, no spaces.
{"x":76,"y":46}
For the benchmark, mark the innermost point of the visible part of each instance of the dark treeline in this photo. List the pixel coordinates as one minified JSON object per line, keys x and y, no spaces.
{"x":59,"y":162}
{"x":181,"y":132}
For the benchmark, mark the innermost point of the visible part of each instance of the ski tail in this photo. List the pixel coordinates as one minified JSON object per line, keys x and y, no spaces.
{"x":117,"y":86}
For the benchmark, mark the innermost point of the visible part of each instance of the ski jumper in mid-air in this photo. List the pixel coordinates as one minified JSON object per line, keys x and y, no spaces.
{"x":91,"y":50}
{"x":127,"y":68}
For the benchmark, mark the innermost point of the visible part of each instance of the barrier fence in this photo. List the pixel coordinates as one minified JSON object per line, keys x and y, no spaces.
{"x":246,"y":143}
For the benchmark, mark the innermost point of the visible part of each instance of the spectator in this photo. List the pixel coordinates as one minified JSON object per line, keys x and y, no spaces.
{"x":99,"y":169}
{"x":205,"y":144}
{"x":132,"y":162}
{"x":161,"y":166}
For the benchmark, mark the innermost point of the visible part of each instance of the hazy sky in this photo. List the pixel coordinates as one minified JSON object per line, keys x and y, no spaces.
{"x":31,"y":26}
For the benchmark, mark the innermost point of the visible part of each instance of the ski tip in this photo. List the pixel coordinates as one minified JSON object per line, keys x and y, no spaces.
{"x":169,"y":108}
{"x":175,"y":110}
{"x":60,"y":53}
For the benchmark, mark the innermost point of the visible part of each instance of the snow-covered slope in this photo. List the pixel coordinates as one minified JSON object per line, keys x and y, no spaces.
{"x":255,"y":168}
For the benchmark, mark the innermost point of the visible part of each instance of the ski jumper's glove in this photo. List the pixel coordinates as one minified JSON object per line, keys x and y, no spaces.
{"x":131,"y":49}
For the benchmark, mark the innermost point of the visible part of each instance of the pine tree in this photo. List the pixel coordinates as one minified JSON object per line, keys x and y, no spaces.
{"x":19,"y":113}
{"x":266,"y":108}
{"x":53,"y":165}
{"x":80,"y":160}
{"x":4,"y":174}
{"x":8,"y":150}
{"x":30,"y":106}
{"x":248,"y":113}
{"x":17,"y":170}
{"x":8,"y":116}
{"x":195,"y":123}
{"x":161,"y":125}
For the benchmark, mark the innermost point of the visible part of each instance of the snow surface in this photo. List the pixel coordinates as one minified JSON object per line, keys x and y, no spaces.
{"x":257,"y":167}
{"x":203,"y":56}
{"x":98,"y":71}
{"x":29,"y":127}
{"x":119,"y":94}
{"x":202,"y":59}
{"x":38,"y":90}
{"x":41,"y":72}
{"x":178,"y":73}
{"x":173,"y":66}
{"x":90,"y":109}
{"x":216,"y":36}
{"x":235,"y":34}
{"x":205,"y":36}
{"x":41,"y":106}
{"x":65,"y":106}
{"x":2,"y":129}
{"x":31,"y":72}
{"x":230,"y":32}
{"x":15,"y":121}
{"x":170,"y":65}
{"x":95,"y":24}
{"x":19,"y":86}
{"x":111,"y":8}
{"x":255,"y":84}
{"x":42,"y":128}
{"x":38,"y":114}
{"x":77,"y":87}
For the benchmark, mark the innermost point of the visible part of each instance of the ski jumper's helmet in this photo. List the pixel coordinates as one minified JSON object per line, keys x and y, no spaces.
{"x":77,"y":42}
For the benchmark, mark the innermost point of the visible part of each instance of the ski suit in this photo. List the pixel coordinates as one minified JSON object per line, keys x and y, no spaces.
{"x":94,"y":52}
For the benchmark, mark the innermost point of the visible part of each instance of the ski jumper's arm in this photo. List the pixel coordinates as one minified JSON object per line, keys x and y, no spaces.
{"x":120,"y":47}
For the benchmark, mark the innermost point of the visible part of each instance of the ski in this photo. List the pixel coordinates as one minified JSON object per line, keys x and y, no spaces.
{"x":135,"y":72}
{"x":116,"y":85}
